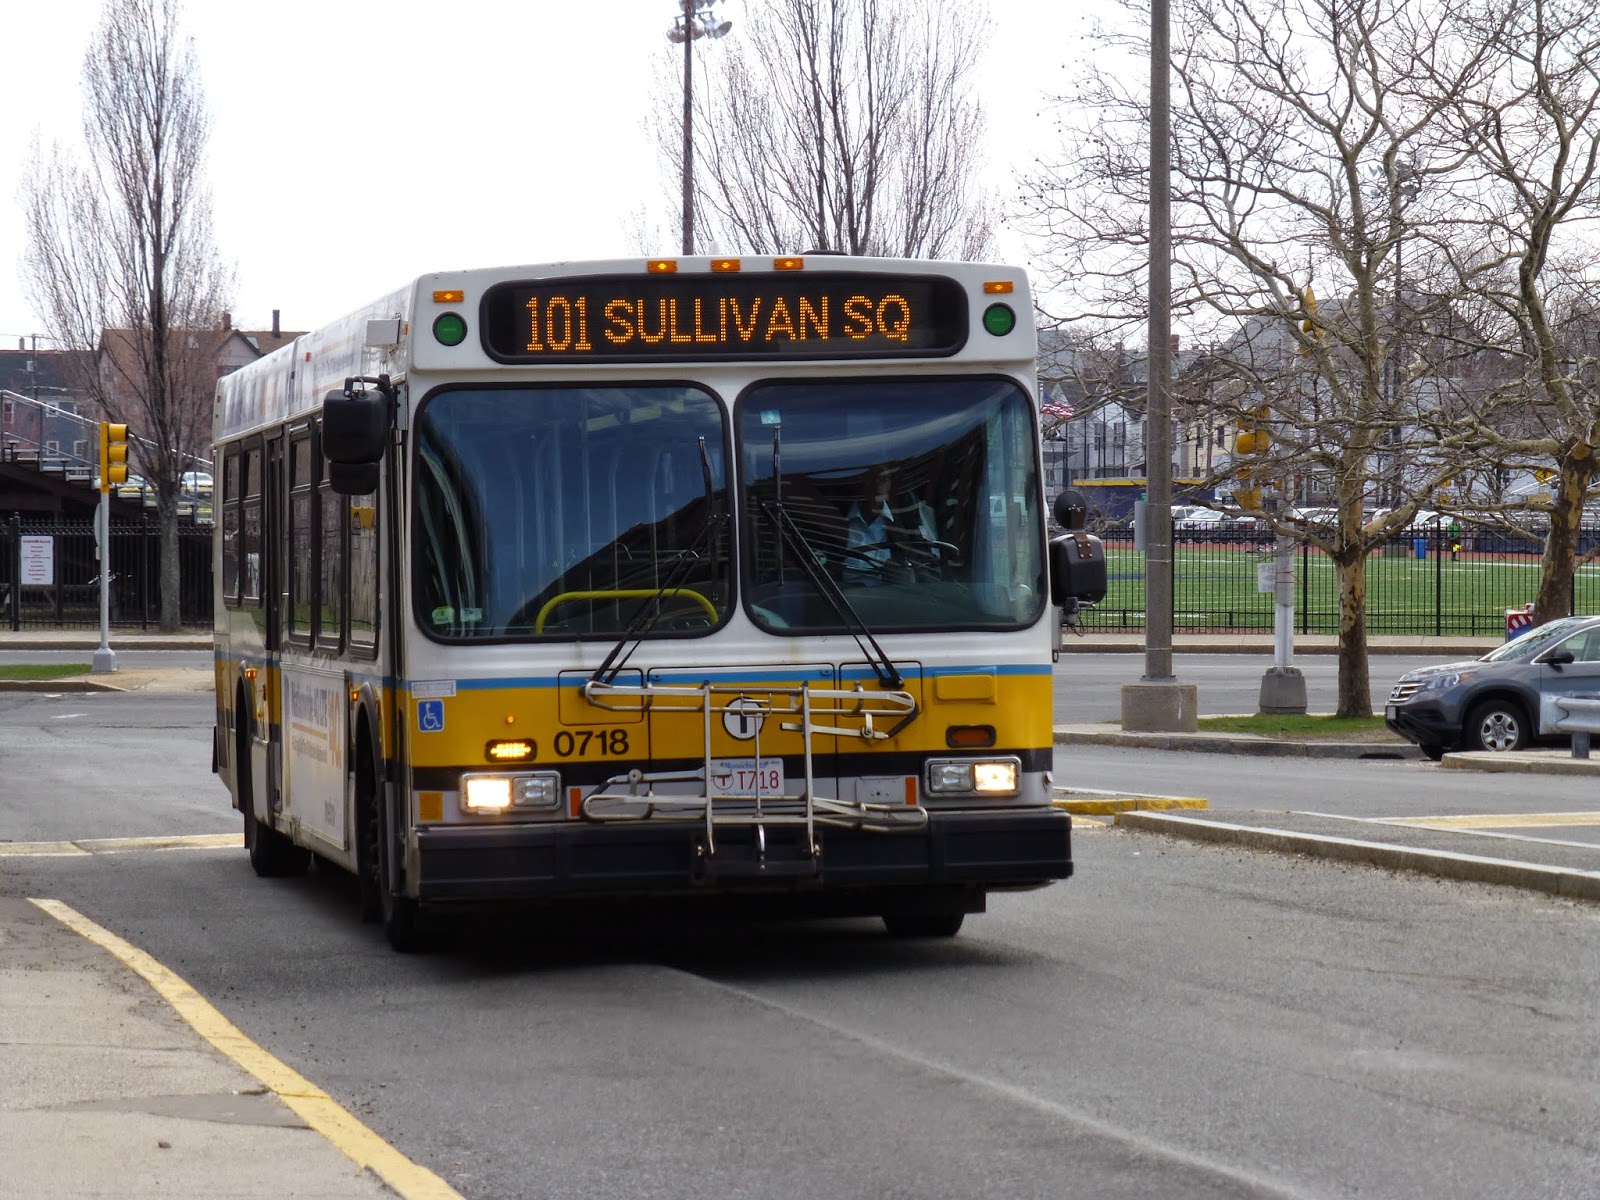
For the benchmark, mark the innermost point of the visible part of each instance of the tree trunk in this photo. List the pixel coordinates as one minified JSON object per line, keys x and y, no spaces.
{"x":1355,"y":685}
{"x":1556,"y":570}
{"x":167,"y":514}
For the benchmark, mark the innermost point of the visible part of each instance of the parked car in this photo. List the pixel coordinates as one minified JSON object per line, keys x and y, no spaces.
{"x":1505,"y":700}
{"x":195,"y":483}
{"x":1201,"y":520}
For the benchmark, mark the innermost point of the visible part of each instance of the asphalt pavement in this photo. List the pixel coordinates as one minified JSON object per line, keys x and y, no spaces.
{"x":106,"y":1093}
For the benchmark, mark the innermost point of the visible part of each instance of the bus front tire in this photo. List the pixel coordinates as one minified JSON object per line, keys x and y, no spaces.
{"x":399,"y":915}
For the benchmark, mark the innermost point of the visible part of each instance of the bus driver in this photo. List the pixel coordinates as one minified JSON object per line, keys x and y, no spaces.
{"x":878,"y":528}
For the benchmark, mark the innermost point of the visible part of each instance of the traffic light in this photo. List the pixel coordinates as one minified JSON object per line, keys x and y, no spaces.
{"x":1252,"y":442}
{"x":1309,"y":326}
{"x":113,"y":454}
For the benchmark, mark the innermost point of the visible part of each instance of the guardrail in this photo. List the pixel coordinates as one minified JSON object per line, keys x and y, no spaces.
{"x":1582,"y":721}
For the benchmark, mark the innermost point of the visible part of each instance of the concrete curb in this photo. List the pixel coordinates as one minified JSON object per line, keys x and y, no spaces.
{"x":57,"y":686}
{"x":1520,"y":762}
{"x":1221,"y":743}
{"x":1576,"y":885}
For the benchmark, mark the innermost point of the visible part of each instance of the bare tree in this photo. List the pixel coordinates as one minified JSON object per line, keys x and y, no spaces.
{"x":842,"y":124}
{"x":1311,"y":152}
{"x":1531,"y":128}
{"x":120,"y":257}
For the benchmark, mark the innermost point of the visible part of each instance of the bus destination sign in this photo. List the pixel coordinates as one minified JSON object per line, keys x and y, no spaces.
{"x":748,"y":316}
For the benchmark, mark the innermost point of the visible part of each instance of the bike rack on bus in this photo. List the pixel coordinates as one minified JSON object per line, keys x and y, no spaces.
{"x":845,"y":712}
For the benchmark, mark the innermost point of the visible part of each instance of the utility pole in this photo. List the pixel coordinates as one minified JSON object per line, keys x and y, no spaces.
{"x":1158,"y":702}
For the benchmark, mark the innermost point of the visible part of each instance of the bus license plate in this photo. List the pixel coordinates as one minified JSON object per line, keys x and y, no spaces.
{"x":742,"y":776}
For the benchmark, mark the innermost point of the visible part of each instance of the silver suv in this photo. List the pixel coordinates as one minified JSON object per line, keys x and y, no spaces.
{"x":1504,"y":700}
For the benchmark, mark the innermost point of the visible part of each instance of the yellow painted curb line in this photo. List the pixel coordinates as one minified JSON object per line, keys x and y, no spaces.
{"x":1122,"y":804}
{"x":319,"y":1110}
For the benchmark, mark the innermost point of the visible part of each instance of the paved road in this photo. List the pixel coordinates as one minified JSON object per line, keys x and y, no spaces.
{"x":1176,"y":1020}
{"x":1088,"y":687}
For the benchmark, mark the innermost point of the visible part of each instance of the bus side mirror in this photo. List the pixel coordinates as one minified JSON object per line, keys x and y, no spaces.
{"x":1071,"y":510}
{"x":353,"y":479}
{"x":355,"y":434}
{"x":1077,"y":569}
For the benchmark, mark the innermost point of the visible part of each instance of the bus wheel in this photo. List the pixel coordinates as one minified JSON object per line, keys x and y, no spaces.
{"x":400,"y":915}
{"x":923,"y":924}
{"x":272,"y":854}
{"x":367,"y":832}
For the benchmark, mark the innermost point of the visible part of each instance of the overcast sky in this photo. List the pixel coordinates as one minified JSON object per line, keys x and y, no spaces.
{"x":356,"y":145}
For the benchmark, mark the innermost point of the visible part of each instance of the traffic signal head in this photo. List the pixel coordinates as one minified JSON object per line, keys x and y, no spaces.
{"x":113,"y":454}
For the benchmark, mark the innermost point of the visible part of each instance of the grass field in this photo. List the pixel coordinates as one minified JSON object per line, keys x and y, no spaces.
{"x":43,"y":670}
{"x":1215,"y":588}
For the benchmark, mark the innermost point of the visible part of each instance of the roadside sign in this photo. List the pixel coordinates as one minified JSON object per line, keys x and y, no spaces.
{"x":38,"y":561}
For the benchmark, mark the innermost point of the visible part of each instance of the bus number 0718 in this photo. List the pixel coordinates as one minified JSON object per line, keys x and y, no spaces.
{"x":613,"y":742}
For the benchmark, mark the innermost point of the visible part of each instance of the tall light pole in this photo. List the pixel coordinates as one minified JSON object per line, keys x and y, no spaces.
{"x":695,"y":21}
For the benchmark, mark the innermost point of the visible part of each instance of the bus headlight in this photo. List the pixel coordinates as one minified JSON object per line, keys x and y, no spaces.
{"x":973,"y":776}
{"x":485,"y":795}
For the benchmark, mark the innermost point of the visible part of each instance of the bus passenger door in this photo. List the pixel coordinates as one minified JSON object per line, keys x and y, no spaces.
{"x":275,"y":600}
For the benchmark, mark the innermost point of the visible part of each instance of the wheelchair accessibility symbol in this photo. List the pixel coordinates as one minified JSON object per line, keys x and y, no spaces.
{"x":430,"y":716}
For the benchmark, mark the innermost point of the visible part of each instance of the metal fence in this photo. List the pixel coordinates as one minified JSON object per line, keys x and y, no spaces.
{"x":1436,"y":582}
{"x":33,"y":548}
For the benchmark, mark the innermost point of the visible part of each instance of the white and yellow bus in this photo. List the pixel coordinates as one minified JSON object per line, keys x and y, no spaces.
{"x":647,"y":577}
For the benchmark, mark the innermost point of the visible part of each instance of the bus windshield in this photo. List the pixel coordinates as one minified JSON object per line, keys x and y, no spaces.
{"x":566,"y":512}
{"x":918,"y":498}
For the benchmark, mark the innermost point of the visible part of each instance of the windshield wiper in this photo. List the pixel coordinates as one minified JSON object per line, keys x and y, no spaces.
{"x":882,"y":666}
{"x":649,"y":612}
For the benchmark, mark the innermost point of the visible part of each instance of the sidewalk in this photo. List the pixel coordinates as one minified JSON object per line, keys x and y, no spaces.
{"x":106,"y":1092}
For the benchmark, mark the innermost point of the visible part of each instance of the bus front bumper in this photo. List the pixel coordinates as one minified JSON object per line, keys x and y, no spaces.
{"x":968,"y":849}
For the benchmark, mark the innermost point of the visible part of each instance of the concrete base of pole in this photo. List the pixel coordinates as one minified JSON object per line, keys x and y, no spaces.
{"x":1160,"y":706}
{"x":1283,"y":691}
{"x":104,"y":661}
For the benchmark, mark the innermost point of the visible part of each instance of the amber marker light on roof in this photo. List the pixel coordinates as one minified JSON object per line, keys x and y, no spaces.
{"x":662,"y":266}
{"x":724,"y":264}
{"x":449,"y":296}
{"x":788,"y":264}
{"x":998,"y":287}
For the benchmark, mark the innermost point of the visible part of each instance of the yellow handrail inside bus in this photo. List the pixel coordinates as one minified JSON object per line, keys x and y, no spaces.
{"x":622,"y":594}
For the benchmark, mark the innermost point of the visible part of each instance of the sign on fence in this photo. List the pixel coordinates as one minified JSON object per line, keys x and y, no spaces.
{"x":38,"y":561}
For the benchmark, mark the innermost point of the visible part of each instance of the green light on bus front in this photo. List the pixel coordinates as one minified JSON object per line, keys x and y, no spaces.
{"x":450,"y":329}
{"x":999,"y":320}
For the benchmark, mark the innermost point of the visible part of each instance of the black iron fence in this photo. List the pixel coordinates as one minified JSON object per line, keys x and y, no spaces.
{"x":1438,"y":581}
{"x":50,"y":574}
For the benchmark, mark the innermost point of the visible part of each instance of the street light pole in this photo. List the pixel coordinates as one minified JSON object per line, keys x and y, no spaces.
{"x":694,"y":22}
